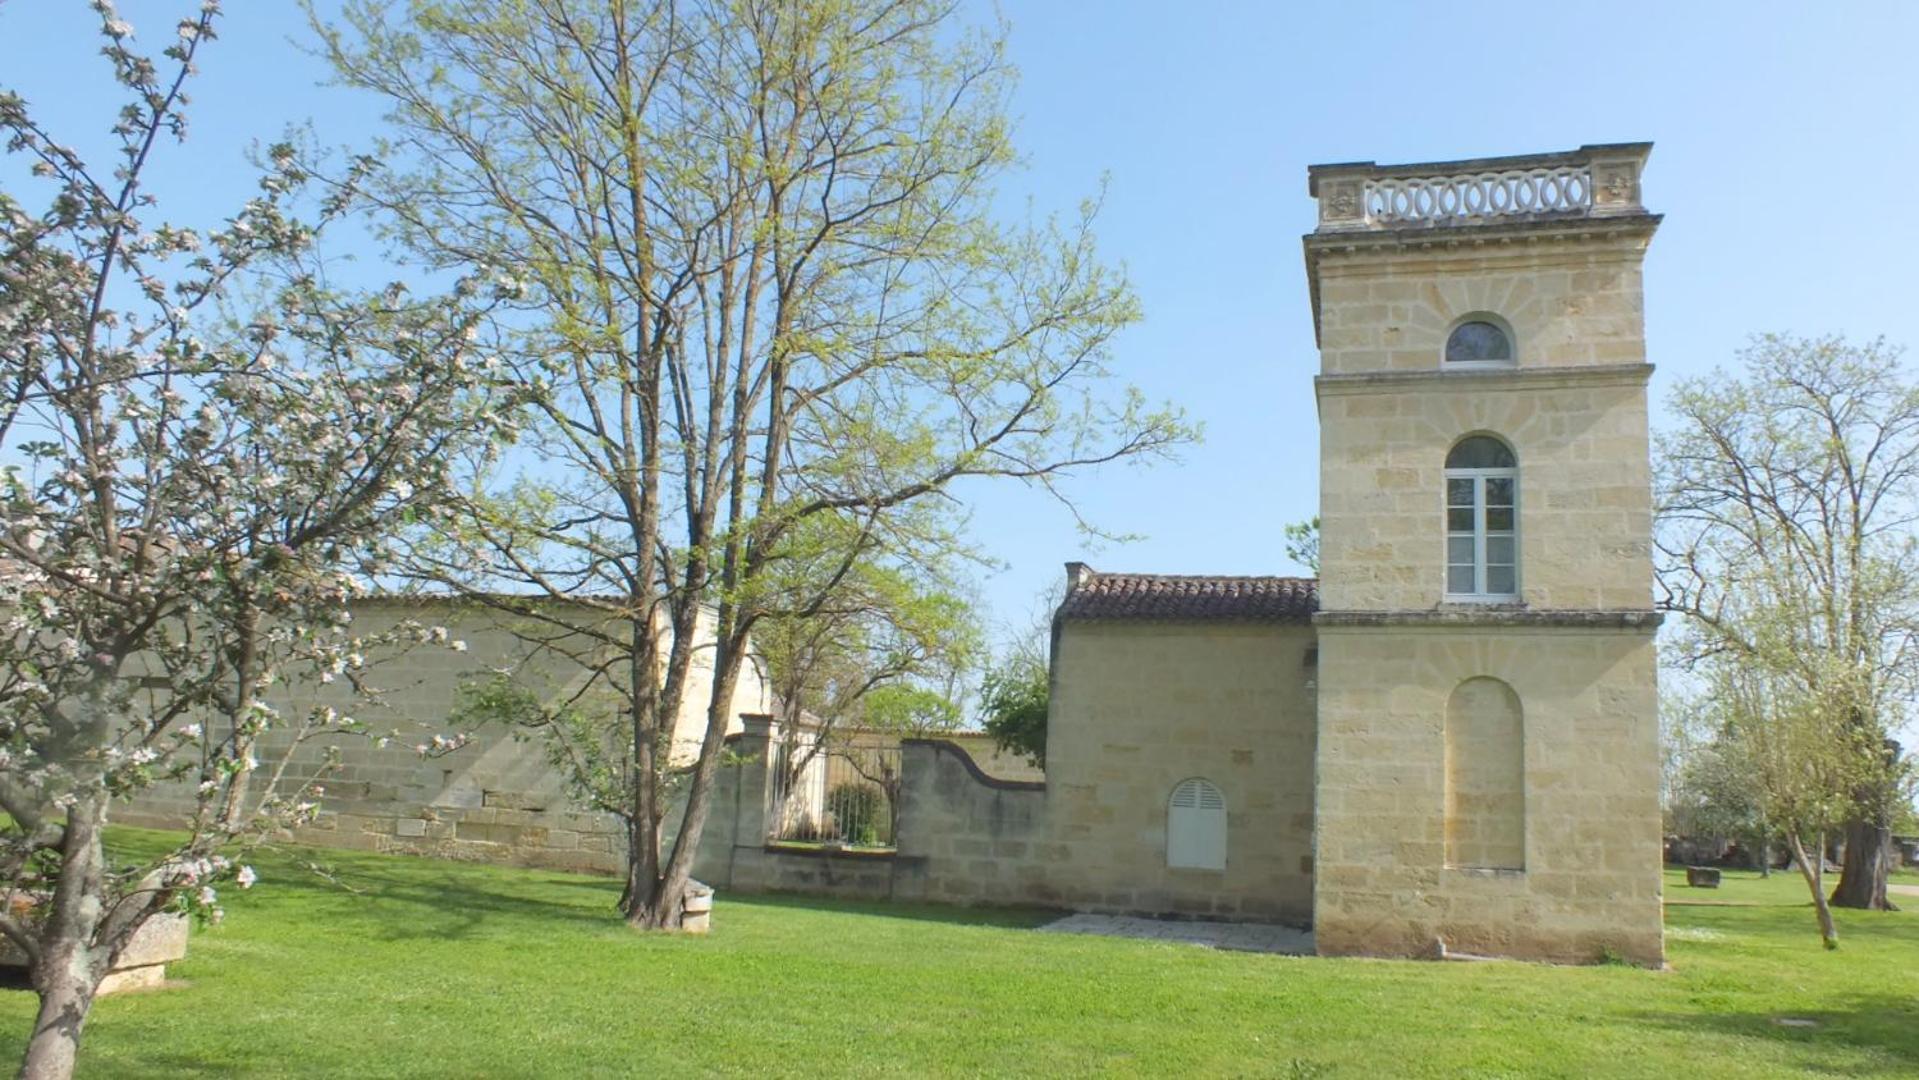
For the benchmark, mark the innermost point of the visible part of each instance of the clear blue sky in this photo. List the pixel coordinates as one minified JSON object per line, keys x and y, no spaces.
{"x":1787,"y":147}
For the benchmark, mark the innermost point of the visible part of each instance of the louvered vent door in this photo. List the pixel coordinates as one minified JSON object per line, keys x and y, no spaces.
{"x":1196,"y":826}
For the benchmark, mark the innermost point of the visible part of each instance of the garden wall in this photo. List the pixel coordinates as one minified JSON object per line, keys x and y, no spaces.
{"x":964,"y":836}
{"x":495,"y":799}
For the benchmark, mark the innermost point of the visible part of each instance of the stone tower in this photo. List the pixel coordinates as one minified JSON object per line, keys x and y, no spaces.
{"x":1487,"y":755}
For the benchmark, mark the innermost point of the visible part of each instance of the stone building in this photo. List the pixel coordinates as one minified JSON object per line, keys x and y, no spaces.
{"x":1449,"y":741}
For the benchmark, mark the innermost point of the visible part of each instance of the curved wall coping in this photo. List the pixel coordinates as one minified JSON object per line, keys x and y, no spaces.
{"x":979,"y":774}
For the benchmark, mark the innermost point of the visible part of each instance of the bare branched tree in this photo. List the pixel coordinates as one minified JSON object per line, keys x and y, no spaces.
{"x":763,"y":283}
{"x":1788,"y":497}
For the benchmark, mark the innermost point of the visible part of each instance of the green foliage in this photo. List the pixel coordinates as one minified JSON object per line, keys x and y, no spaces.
{"x":575,"y":740}
{"x":869,"y":649}
{"x":1013,"y":705}
{"x":768,"y":313}
{"x":1302,"y":543}
{"x":911,"y":711}
{"x":1710,"y":792}
{"x":859,"y":810}
{"x":1786,"y":491}
{"x":1905,"y":819}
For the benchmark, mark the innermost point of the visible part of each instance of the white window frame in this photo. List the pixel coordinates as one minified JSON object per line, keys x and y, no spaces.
{"x":1480,"y":535}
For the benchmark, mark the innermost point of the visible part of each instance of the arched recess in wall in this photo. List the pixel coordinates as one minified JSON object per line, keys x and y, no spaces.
{"x":1196,"y":826}
{"x":1485,"y":777}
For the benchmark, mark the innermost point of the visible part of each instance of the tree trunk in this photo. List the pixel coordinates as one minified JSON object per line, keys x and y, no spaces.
{"x":1813,"y":872}
{"x":66,"y":995}
{"x":67,"y":972}
{"x":1862,"y":877}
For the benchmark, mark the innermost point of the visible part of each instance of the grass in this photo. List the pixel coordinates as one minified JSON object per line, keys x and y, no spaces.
{"x":432,"y":968}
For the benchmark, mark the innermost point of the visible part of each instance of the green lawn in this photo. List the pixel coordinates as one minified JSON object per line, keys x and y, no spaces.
{"x":439,"y":969}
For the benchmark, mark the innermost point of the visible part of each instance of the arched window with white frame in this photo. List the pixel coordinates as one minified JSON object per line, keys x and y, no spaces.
{"x":1482,"y":520}
{"x":1196,"y":826}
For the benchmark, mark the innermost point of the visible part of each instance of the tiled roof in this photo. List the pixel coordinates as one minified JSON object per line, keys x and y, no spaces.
{"x":1190,"y":596}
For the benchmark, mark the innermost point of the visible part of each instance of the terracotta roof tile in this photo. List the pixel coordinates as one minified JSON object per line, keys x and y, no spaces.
{"x":1190,"y":596}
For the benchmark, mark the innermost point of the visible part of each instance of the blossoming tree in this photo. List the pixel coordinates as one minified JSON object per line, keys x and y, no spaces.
{"x":205,"y":453}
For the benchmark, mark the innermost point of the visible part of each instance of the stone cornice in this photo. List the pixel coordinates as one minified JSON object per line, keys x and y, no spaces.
{"x":1516,"y":230}
{"x":1480,"y":380}
{"x":1489,"y":616}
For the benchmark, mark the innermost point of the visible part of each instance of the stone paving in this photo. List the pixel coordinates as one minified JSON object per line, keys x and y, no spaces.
{"x":1240,"y":937}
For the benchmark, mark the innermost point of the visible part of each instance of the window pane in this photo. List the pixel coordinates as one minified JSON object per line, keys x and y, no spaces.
{"x":1478,"y":341}
{"x":1481,"y":452}
{"x":1499,"y":549}
{"x":1500,"y":580}
{"x":1459,"y":493}
{"x":1459,"y":519}
{"x":1459,"y":579}
{"x":1459,"y":550}
{"x":1499,"y":519}
{"x":1499,"y":491}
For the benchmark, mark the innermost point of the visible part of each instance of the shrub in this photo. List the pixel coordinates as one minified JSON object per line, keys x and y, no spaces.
{"x":1014,"y":702}
{"x":860,"y":811}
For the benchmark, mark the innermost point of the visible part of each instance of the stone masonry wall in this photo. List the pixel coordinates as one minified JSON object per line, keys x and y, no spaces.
{"x":1566,"y":867}
{"x":1585,"y":517}
{"x":1138,"y":707}
{"x":1591,"y":875}
{"x":964,"y":837}
{"x":1569,"y":304}
{"x":1573,"y":408}
{"x":497,"y":798}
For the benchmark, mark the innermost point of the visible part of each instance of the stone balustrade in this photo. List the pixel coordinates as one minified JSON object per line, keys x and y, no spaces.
{"x":1593,"y":181}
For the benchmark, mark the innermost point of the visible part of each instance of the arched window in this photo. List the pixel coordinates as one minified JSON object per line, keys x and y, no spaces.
{"x":1196,"y":826}
{"x":1479,"y":340}
{"x":1482,"y":520}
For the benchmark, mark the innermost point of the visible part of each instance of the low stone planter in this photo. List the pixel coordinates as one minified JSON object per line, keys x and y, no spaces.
{"x":143,"y":963}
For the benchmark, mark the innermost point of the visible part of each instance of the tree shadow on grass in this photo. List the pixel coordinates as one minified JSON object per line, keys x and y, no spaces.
{"x":410,"y":898}
{"x":414,"y":897}
{"x":1884,"y":1026}
{"x":1020,"y":918}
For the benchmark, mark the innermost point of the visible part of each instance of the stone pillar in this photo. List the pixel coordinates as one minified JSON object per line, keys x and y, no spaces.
{"x":742,"y":793}
{"x":919,"y":804}
{"x":754,"y":747}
